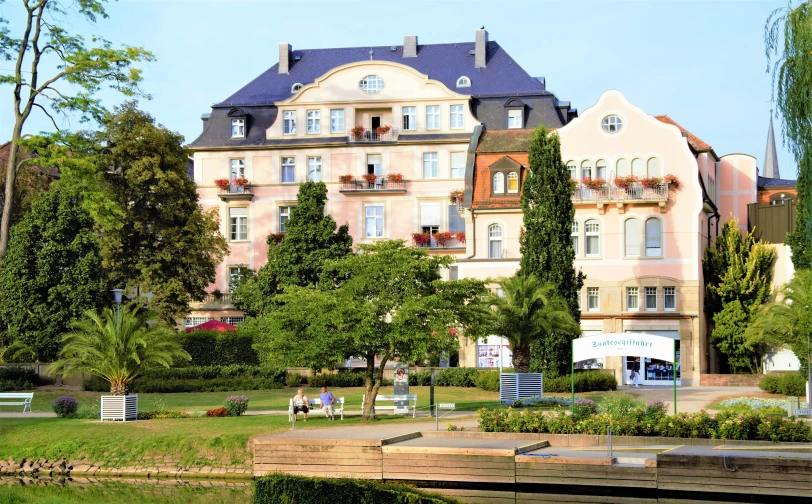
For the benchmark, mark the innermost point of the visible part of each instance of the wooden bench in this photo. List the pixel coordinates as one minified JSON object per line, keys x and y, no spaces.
{"x":17,"y":399}
{"x":315,"y":404}
{"x":410,"y":398}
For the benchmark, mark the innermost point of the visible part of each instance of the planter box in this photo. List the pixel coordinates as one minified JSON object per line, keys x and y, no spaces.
{"x":122,"y":408}
{"x":514,"y":386}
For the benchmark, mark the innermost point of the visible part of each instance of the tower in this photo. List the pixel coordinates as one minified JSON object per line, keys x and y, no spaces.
{"x":770,"y":169}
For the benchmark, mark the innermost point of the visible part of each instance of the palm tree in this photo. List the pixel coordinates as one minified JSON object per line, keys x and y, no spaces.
{"x":117,"y":350}
{"x":528,"y":311}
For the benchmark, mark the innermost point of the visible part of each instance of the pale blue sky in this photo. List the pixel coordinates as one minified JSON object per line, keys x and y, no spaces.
{"x":702,"y":63}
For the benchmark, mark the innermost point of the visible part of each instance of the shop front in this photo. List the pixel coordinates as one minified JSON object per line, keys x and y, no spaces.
{"x":653,"y":371}
{"x":493,"y":352}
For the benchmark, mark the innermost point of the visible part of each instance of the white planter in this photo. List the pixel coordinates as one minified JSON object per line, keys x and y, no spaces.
{"x":121,"y":408}
{"x":514,"y":386}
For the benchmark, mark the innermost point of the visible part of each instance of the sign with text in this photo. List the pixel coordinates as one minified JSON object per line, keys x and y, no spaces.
{"x":401,"y":386}
{"x":620,"y":344}
{"x":802,"y":412}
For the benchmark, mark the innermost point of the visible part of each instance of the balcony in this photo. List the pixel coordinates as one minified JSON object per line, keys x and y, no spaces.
{"x":223,"y":301}
{"x":448,"y":240}
{"x":358,"y":185}
{"x":354,"y":136}
{"x":236,"y":192}
{"x":632,"y":194}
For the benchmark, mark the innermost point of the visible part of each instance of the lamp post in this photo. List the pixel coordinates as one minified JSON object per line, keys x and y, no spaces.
{"x":117,"y":296}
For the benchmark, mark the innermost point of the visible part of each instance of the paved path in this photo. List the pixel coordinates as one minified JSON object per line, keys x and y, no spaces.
{"x":689,"y":399}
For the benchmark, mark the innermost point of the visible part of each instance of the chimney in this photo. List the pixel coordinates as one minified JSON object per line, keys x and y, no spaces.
{"x":481,"y":48}
{"x":410,"y":46}
{"x":284,"y":57}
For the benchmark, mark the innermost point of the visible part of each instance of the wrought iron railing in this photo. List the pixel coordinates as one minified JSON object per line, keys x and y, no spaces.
{"x":236,"y":189}
{"x":381,"y":184}
{"x":634,"y":192}
{"x":373,"y":136}
{"x":224,"y":298}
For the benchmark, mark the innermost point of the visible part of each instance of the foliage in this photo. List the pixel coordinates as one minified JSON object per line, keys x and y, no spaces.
{"x":215,"y":348}
{"x":421,"y":239}
{"x":488,"y":380}
{"x":672,"y":181}
{"x":311,"y":239}
{"x":369,"y":178}
{"x":202,"y":379}
{"x":587,"y":381}
{"x":345,"y":179}
{"x":14,"y":378}
{"x":651,"y":182}
{"x":620,"y":405}
{"x":217,"y":412}
{"x":52,"y":272}
{"x":738,"y":275}
{"x":64,"y":406}
{"x":456,"y":377}
{"x":593,"y":183}
{"x":757,"y":403}
{"x":294,"y":379}
{"x":341,"y":379}
{"x":394,"y":177}
{"x":284,"y":488}
{"x":542,"y":401}
{"x":236,"y":405}
{"x":117,"y":349}
{"x":625,"y":181}
{"x":162,"y":414}
{"x":16,"y":352}
{"x":43,"y":42}
{"x":528,"y":311}
{"x":546,"y":243}
{"x":443,"y":237}
{"x":456,"y":196}
{"x":32,"y":180}
{"x":789,"y":384}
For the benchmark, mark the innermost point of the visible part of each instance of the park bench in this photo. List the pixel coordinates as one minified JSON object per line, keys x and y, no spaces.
{"x":411,"y":398}
{"x":315,"y":404}
{"x":17,"y":399}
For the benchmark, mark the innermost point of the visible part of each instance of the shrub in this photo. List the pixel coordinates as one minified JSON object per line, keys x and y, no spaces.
{"x":584,"y":408}
{"x":488,"y":380}
{"x":236,"y":405}
{"x":342,"y":379}
{"x":790,"y":384}
{"x":161,"y":414}
{"x":456,"y":377}
{"x":619,"y":405}
{"x":200,"y":379}
{"x":294,"y":379}
{"x":212,"y":348}
{"x":89,"y":410}
{"x":541,"y":401}
{"x":287,"y":488}
{"x":15,"y":378}
{"x":65,"y":406}
{"x":587,"y":381}
{"x":217,"y":412}
{"x":420,"y":379}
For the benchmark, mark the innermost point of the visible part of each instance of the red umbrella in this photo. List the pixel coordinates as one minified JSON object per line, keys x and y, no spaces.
{"x":213,"y":325}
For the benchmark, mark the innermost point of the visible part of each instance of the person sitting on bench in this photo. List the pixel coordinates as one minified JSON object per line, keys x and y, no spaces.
{"x":300,"y":404}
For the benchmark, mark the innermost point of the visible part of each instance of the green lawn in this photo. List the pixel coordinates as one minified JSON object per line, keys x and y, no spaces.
{"x":117,"y":492}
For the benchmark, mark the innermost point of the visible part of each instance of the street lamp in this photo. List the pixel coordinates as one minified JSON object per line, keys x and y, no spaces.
{"x":117,"y":296}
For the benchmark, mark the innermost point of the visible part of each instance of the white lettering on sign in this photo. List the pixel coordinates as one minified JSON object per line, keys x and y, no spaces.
{"x":802,"y":412}
{"x":620,"y":344}
{"x":448,"y":405}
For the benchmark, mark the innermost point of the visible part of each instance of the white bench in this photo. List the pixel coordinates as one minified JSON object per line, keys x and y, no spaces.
{"x":17,"y":399}
{"x":410,"y":398}
{"x":315,"y":404}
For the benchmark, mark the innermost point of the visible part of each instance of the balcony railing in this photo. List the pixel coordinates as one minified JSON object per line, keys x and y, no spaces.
{"x":224,"y":298}
{"x":235,"y":192}
{"x":632,"y":193}
{"x":373,"y":136}
{"x":381,"y":185}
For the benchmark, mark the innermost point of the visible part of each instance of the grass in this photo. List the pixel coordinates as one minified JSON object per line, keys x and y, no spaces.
{"x":116,"y":492}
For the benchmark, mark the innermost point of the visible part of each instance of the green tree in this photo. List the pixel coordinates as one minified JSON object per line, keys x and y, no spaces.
{"x":788,"y":40}
{"x":45,"y":41}
{"x":738,"y":274}
{"x":386,"y":303}
{"x":52,"y":272}
{"x":117,"y":349}
{"x":527,"y":311}
{"x":311,"y":238}
{"x":787,"y":321}
{"x":546,"y":243}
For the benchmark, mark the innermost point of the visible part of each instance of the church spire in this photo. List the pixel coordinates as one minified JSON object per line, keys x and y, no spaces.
{"x":770,"y":169}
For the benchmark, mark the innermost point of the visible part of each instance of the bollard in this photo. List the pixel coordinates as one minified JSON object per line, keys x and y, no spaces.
{"x":792,"y":404}
{"x":609,"y":440}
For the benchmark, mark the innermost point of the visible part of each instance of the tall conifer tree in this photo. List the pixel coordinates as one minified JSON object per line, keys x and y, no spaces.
{"x":546,"y":241}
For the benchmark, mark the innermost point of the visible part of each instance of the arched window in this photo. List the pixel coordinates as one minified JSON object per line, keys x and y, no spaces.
{"x":573,"y":168}
{"x":654,"y":238}
{"x":637,"y":168}
{"x":654,"y":168}
{"x":296,"y":87}
{"x":586,"y":169}
{"x":498,"y":183}
{"x":463,"y":82}
{"x":575,"y":236}
{"x":622,"y":167}
{"x":593,"y":238}
{"x":513,"y":182}
{"x":631,"y":238}
{"x":494,"y":241}
{"x":600,"y":169}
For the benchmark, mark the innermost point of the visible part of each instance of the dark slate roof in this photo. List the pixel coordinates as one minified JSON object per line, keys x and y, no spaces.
{"x":502,"y":76}
{"x":775,"y":182}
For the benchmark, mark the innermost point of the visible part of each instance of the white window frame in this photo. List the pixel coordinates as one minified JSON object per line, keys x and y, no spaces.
{"x":659,"y":167}
{"x":512,"y":176}
{"x":378,"y":220}
{"x":635,"y":251}
{"x":433,"y":117}
{"x":457,"y":116}
{"x":632,"y":294}
{"x":515,"y":118}
{"x":234,"y":272}
{"x":316,"y":175}
{"x":238,"y":225}
{"x":495,"y":234}
{"x":646,"y":296}
{"x":288,"y":163}
{"x":463,"y":81}
{"x":626,"y":167}
{"x":653,"y":251}
{"x":593,"y":293}
{"x":237,"y":168}
{"x":586,"y":169}
{"x":296,"y":87}
{"x":411,"y":113}
{"x":601,"y":169}
{"x":669,"y":292}
{"x":576,"y":235}
{"x":431,"y":162}
{"x":572,"y":166}
{"x":239,"y":126}
{"x":313,"y":122}
{"x":458,"y":172}
{"x":498,"y":183}
{"x":592,"y":234}
{"x":612,"y":123}
{"x":371,"y":84}
{"x":337,"y":121}
{"x":284,"y":216}
{"x":289,"y":122}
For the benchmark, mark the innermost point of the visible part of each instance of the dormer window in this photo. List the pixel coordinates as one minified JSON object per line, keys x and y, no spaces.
{"x":515,"y":119}
{"x":371,"y":84}
{"x":237,"y":128}
{"x":463,"y":82}
{"x":505,"y":178}
{"x":296,"y":87}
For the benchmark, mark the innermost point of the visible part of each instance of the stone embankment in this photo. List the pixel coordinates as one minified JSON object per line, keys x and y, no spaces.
{"x":42,"y":468}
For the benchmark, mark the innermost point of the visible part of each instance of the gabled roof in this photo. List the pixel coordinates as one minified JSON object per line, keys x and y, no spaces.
{"x":502,"y":76}
{"x":695,"y":142}
{"x":505,"y":141}
{"x":775,"y":182}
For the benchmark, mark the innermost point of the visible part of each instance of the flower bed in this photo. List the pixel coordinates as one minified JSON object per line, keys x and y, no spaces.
{"x":757,"y":403}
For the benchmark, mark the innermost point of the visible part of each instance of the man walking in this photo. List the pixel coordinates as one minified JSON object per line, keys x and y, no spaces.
{"x":328,"y":403}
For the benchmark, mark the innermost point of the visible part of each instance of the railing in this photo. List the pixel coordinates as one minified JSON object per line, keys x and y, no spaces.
{"x":382,"y":184}
{"x":224,"y":298}
{"x":373,"y":136}
{"x":236,"y":189}
{"x":634,"y":192}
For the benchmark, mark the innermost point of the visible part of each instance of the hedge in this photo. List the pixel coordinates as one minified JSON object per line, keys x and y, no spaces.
{"x":14,"y":378}
{"x":790,"y":384}
{"x":588,"y":381}
{"x":215,"y":348}
{"x":200,"y":379}
{"x":286,"y":489}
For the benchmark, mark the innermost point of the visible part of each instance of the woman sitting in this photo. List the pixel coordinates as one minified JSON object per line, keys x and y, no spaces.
{"x":300,"y":404}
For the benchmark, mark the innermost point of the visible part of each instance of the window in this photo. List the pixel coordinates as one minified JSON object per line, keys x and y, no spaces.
{"x":513,"y":182}
{"x":433,"y":117}
{"x":371,"y":84}
{"x":194,"y":321}
{"x":284,"y":217}
{"x":374,"y":164}
{"x":237,"y":168}
{"x":515,"y":119}
{"x":374,"y":221}
{"x":653,"y":238}
{"x":289,"y":122}
{"x":651,"y":298}
{"x":600,"y":169}
{"x":631,"y":232}
{"x":313,"y":121}
{"x":430,"y":169}
{"x":457,"y":119}
{"x":430,"y":218}
{"x":238,"y":223}
{"x":463,"y":82}
{"x":498,"y":183}
{"x":232,"y":320}
{"x":632,"y":299}
{"x":637,"y":168}
{"x":622,"y":167}
{"x":586,"y":169}
{"x":453,"y":272}
{"x":573,"y":168}
{"x":593,"y":238}
{"x":238,"y":127}
{"x":611,"y":124}
{"x":593,"y":300}
{"x":337,"y":121}
{"x":296,"y":87}
{"x":456,"y":222}
{"x":654,"y":168}
{"x":669,"y":298}
{"x":234,"y":276}
{"x":575,"y":236}
{"x":288,"y":170}
{"x":409,"y":118}
{"x":457,"y":164}
{"x":494,"y":241}
{"x":314,"y":168}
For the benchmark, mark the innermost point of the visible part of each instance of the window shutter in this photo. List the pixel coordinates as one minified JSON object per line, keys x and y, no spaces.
{"x":429,"y":214}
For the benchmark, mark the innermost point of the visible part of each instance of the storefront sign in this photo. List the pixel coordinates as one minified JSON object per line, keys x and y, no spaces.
{"x":620,"y":344}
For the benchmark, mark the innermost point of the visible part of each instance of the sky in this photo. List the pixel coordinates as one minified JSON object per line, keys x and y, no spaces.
{"x":702,"y":63}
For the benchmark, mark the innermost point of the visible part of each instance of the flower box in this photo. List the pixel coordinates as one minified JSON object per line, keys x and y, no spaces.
{"x":592,"y":183}
{"x":121,"y":407}
{"x":383,"y":129}
{"x":443,"y":238}
{"x":672,"y":181}
{"x":651,"y":182}
{"x":624,"y":182}
{"x":222,"y":184}
{"x":457,"y":196}
{"x":370,"y":178}
{"x":460,"y":236}
{"x":421,"y":239}
{"x":358,"y":131}
{"x":345,"y":179}
{"x":240,"y":182}
{"x":395,"y":177}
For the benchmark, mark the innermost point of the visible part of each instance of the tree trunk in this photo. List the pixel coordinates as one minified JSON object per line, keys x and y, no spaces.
{"x":371,"y":389}
{"x":521,"y":358}
{"x":118,"y":389}
{"x":11,"y":175}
